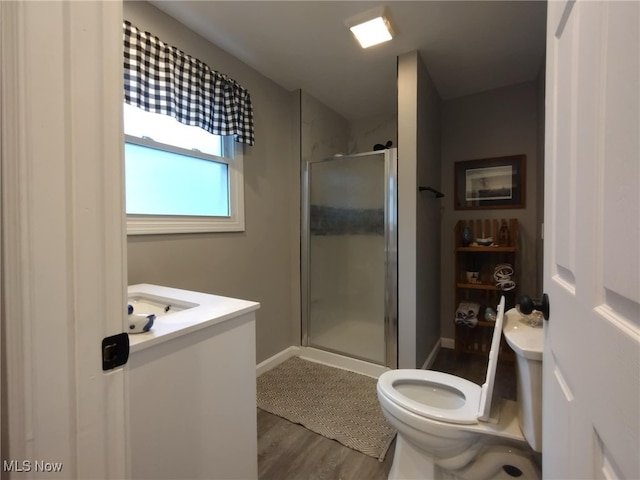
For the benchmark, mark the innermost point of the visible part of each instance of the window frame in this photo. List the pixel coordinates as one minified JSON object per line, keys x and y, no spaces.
{"x":138,"y":224}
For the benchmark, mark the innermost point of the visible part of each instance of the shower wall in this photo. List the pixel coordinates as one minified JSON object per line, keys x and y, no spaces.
{"x":325,"y":132}
{"x":364,"y":133}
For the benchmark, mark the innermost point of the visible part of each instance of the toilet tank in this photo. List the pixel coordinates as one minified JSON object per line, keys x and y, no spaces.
{"x":529,"y":375}
{"x":527,"y":343}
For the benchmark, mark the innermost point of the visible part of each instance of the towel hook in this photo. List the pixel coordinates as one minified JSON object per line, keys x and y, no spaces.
{"x":430,"y":189}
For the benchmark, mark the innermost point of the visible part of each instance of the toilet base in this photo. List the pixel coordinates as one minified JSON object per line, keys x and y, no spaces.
{"x":410,"y":463}
{"x":500,"y":462}
{"x":494,"y":462}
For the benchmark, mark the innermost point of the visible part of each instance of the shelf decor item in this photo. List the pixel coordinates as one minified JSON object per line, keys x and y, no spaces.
{"x":503,"y":234}
{"x":490,"y":314}
{"x":490,"y":183}
{"x":466,"y":237}
{"x":503,"y":274}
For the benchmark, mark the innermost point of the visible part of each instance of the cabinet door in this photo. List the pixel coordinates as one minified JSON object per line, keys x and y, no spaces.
{"x":193,"y":405}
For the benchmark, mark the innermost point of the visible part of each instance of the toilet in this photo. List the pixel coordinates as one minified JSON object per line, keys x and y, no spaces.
{"x":449,"y":428}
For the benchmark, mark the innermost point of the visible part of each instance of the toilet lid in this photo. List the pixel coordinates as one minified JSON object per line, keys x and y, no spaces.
{"x":487,"y":388}
{"x":447,"y":398}
{"x":451,"y":399}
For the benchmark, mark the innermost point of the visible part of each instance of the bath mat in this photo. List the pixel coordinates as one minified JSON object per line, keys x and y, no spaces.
{"x":332,"y":402}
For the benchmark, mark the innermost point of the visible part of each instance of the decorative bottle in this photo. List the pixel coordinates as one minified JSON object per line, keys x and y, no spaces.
{"x":503,"y":235}
{"x":466,"y":236}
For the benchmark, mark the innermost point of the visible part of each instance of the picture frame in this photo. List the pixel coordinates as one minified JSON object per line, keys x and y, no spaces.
{"x":490,"y":183}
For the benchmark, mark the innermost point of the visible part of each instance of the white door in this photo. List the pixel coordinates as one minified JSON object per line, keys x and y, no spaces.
{"x":63,"y":240}
{"x":591,"y":394}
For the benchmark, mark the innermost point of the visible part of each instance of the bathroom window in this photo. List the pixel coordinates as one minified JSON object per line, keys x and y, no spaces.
{"x":180,"y":178}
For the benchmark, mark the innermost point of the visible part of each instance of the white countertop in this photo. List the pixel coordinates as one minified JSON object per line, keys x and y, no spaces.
{"x":211,"y":310}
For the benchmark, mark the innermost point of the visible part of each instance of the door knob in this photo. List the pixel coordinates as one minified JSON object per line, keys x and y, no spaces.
{"x":528,"y":305}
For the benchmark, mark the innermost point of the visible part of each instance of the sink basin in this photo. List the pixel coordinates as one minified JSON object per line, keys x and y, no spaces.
{"x":526,"y":341}
{"x":178,"y":312}
{"x":159,"y":306}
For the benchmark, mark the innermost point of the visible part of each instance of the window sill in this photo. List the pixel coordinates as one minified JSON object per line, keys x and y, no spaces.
{"x":157,"y":225}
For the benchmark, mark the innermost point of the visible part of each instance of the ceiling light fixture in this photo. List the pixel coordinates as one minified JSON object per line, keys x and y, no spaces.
{"x":376,"y":29}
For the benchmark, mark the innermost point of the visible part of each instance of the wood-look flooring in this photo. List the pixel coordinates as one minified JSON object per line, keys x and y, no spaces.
{"x":287,"y":451}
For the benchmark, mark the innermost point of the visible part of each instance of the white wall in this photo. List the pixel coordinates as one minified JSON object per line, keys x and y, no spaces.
{"x":490,"y":124}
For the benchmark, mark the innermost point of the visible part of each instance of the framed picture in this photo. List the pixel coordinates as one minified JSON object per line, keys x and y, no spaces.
{"x":490,"y":183}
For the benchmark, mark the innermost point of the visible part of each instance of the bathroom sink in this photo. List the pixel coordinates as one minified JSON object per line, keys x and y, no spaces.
{"x":526,"y":341}
{"x":179,"y":312}
{"x":159,"y":306}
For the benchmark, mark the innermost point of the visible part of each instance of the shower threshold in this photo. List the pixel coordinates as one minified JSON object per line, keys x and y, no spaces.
{"x":341,"y":361}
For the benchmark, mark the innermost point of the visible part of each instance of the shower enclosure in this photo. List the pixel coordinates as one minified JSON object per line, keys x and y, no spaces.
{"x":349,"y":274}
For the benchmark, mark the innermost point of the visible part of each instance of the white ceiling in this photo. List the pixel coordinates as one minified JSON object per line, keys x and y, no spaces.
{"x":467,"y":47}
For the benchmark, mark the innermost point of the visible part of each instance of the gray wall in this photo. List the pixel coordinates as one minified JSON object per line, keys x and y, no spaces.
{"x":418,"y":225}
{"x":428,"y":218}
{"x":260,"y":264}
{"x":491,"y":124}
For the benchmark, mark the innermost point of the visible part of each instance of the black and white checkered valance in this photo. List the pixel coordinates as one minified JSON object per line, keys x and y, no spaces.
{"x":160,"y":78}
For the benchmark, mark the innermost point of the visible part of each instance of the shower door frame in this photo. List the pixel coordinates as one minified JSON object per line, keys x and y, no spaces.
{"x":391,"y":254}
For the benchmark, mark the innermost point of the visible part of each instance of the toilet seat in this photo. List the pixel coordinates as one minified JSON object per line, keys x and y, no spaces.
{"x":462,"y":395}
{"x":441,"y":396}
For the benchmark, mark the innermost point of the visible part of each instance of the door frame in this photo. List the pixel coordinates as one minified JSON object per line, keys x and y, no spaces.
{"x":63,"y":236}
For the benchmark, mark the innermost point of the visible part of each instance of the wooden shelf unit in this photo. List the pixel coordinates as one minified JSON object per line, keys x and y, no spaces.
{"x":483,"y":259}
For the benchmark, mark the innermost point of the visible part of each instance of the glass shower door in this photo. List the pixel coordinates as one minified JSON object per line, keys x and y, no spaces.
{"x":347,"y":255}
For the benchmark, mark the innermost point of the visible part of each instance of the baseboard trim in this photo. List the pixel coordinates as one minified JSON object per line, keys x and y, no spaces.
{"x":339,"y":361}
{"x":277,"y":359}
{"x":447,"y":343}
{"x":432,"y":356}
{"x":320,"y":356}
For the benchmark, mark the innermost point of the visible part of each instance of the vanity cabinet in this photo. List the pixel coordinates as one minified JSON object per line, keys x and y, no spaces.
{"x":192,"y":391}
{"x":476,"y":283}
